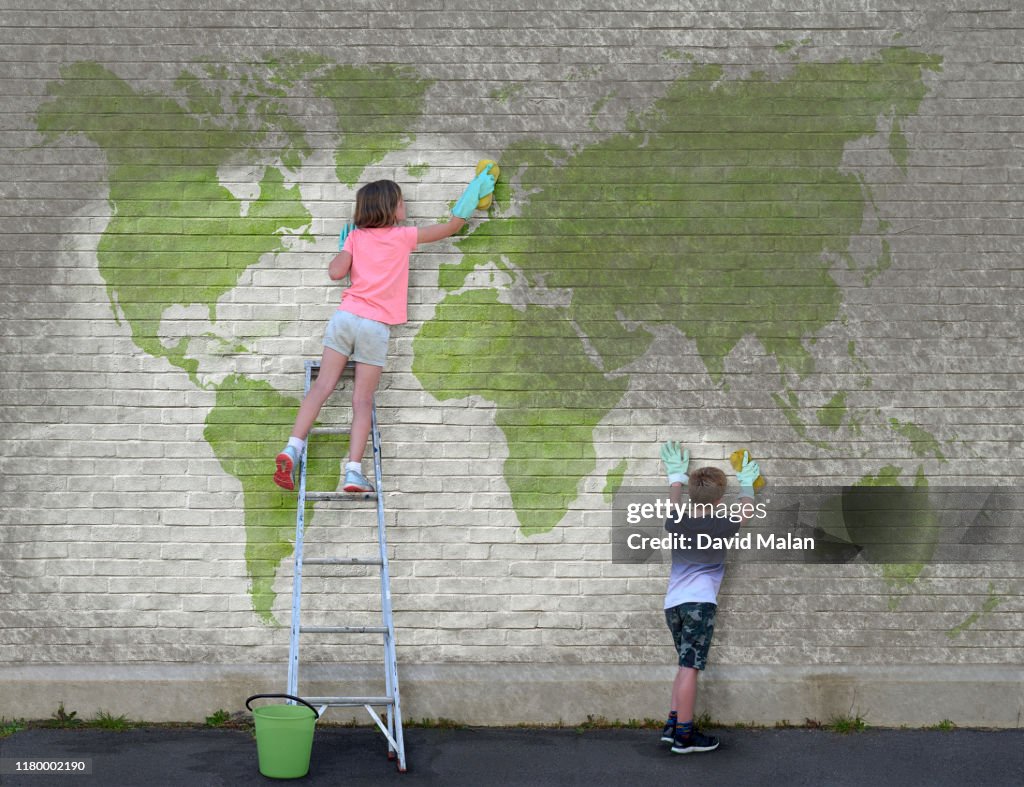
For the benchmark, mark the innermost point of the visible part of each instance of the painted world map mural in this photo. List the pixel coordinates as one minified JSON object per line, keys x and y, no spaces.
{"x":724,"y":196}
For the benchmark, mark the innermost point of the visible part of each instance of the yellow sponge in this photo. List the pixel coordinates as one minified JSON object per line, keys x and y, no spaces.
{"x":736,"y":460}
{"x":485,"y":202}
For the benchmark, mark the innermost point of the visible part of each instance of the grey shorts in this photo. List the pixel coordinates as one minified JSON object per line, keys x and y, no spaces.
{"x":359,"y":339}
{"x":692,"y":625}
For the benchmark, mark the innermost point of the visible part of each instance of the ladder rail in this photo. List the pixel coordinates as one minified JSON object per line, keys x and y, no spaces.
{"x":300,"y":515}
{"x":394,"y":713}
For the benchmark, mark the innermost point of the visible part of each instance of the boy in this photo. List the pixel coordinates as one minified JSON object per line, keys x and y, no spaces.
{"x":692,"y":597}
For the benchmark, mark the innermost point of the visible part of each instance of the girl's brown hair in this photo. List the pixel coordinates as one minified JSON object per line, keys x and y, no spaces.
{"x":707,"y":485}
{"x":377,"y":204}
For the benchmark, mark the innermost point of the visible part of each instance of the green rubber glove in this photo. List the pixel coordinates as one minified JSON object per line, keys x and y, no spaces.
{"x":344,"y":234}
{"x":747,"y":475}
{"x":676,"y":462}
{"x":479,"y":187}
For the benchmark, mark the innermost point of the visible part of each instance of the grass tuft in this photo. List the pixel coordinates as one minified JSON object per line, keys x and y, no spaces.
{"x":107,"y":721}
{"x":61,"y":719}
{"x":8,"y":728}
{"x":218,"y":719}
{"x":440,"y":723}
{"x":847,"y":724}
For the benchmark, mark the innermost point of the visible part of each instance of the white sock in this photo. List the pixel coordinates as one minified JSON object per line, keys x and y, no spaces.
{"x":297,"y":443}
{"x":357,"y":466}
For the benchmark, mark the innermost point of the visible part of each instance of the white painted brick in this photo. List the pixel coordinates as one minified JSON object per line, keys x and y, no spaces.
{"x":133,"y":524}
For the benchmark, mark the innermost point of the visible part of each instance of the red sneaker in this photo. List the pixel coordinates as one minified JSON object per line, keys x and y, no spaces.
{"x":286,"y":462}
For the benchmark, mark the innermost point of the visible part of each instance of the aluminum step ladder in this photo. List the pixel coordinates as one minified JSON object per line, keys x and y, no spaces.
{"x":392,"y":726}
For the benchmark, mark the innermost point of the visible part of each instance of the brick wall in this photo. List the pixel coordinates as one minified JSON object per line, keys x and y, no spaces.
{"x":124,"y":534}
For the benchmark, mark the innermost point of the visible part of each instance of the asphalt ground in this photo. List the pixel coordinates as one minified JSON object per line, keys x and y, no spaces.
{"x":195,"y":757}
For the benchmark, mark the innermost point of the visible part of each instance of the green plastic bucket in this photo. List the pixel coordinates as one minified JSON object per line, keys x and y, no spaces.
{"x":284,"y":736}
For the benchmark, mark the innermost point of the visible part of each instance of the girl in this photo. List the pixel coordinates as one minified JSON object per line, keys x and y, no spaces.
{"x":375,"y":257}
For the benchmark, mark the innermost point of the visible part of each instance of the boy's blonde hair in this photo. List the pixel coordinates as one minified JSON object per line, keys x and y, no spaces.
{"x":377,"y":204}
{"x":707,"y":485}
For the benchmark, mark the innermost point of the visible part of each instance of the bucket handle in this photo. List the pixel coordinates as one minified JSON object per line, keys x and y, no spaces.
{"x":281,"y":696}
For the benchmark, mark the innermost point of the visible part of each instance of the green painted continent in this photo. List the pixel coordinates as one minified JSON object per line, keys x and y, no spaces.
{"x":248,"y":424}
{"x":176,"y":235}
{"x":549,"y":394}
{"x":719,"y":213}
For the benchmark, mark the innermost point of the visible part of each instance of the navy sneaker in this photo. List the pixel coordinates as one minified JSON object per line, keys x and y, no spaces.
{"x":668,"y":735}
{"x":694,"y":742}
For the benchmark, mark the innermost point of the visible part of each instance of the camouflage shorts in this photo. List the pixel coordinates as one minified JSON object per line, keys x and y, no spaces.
{"x":692,"y":624}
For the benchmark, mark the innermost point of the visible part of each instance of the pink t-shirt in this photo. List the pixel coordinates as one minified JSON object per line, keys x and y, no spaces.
{"x":379,"y":275}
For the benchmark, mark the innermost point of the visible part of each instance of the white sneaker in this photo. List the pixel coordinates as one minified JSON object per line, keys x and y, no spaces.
{"x":355,"y":481}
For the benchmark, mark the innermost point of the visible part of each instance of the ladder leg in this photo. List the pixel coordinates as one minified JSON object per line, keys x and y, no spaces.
{"x":300,"y":513}
{"x":398,"y":733}
{"x":390,"y":657}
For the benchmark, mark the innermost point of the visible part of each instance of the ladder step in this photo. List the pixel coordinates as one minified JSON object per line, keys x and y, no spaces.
{"x":354,"y":496}
{"x":343,"y":561}
{"x":343,"y":629}
{"x":330,"y":430}
{"x":350,"y":701}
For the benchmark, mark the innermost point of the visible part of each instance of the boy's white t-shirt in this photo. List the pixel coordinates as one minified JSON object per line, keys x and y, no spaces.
{"x":691,"y":580}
